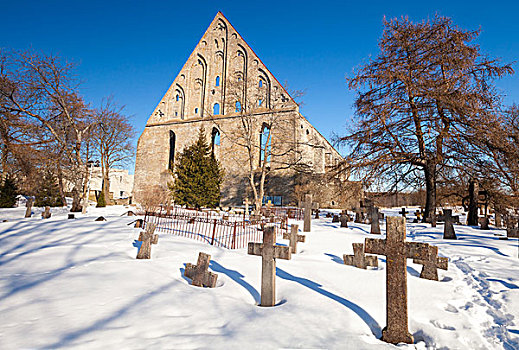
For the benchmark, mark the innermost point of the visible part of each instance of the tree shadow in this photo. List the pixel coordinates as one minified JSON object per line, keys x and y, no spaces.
{"x":236,"y":277}
{"x":363,"y":314}
{"x":504,"y":283}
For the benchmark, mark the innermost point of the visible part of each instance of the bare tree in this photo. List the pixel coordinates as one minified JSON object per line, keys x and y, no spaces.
{"x":415,"y":101}
{"x":112,"y":139}
{"x":44,"y":90}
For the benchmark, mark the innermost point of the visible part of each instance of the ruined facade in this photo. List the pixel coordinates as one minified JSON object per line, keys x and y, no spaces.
{"x":226,"y":90}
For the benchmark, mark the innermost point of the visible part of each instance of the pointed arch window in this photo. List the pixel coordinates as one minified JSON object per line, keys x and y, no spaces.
{"x":217,"y":82}
{"x":238,"y":107}
{"x":265,"y":142}
{"x":260,"y":83}
{"x":216,"y":109}
{"x":177,"y":97}
{"x":215,"y":139}
{"x":172,"y":141}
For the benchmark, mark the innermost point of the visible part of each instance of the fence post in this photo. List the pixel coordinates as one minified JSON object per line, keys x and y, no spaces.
{"x":234,"y":236}
{"x":214,"y":231}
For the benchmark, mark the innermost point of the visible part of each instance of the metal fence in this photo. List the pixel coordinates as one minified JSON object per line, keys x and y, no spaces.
{"x":222,"y":230}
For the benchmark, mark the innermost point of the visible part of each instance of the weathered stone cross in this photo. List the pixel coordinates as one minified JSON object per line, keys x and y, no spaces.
{"x":431,"y":264}
{"x":269,"y":251}
{"x":344,"y":218}
{"x":448,"y":228}
{"x":359,"y":259}
{"x":335,"y":218}
{"x":147,"y":238}
{"x":294,"y":238}
{"x":308,"y":213}
{"x":403,"y":212}
{"x":199,"y":274}
{"x":375,"y":225}
{"x":397,"y":250}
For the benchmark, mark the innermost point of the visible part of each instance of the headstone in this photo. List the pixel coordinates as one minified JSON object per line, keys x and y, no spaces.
{"x":308,"y":213}
{"x":28,"y":205}
{"x":101,"y":218}
{"x":199,"y":273}
{"x":344,"y":218}
{"x":71,"y":216}
{"x":269,"y":252}
{"x":403,"y":212}
{"x":294,"y":238}
{"x":512,"y":231}
{"x":147,"y":238}
{"x":358,"y":216}
{"x":359,"y":258}
{"x":375,"y":225}
{"x":397,"y":250}
{"x":335,"y":218}
{"x":499,"y":220}
{"x":329,"y":215}
{"x":485,"y":223}
{"x":431,"y":264}
{"x":316,"y":213}
{"x":46,"y":214}
{"x":448,"y":228}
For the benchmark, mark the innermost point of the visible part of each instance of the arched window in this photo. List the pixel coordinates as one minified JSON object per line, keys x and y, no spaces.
{"x":238,"y":106}
{"x":260,"y":83}
{"x":196,"y":110}
{"x":172,"y":140}
{"x":260,"y":101}
{"x":215,"y":139}
{"x":177,"y":97}
{"x":216,"y":109}
{"x":265,"y":142}
{"x":217,"y":83}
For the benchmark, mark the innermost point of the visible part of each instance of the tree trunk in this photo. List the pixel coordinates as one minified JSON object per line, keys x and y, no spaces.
{"x":106,"y":184}
{"x":76,"y":201}
{"x":60,"y":185}
{"x":430,"y":190}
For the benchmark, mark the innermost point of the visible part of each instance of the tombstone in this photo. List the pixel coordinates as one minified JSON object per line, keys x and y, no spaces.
{"x":71,"y":216}
{"x":28,"y":205}
{"x":511,"y":227}
{"x":329,"y":215}
{"x":308,"y":213}
{"x":335,"y":218}
{"x":431,"y":264}
{"x":498,"y":220}
{"x":359,"y":258}
{"x":344,"y":218}
{"x":397,"y":251}
{"x":484,"y":223}
{"x":403,"y":212}
{"x":199,"y":273}
{"x":418,"y":214}
{"x":294,"y":238}
{"x":147,"y":238}
{"x":448,"y":228}
{"x":472,"y":208}
{"x":316,"y":214}
{"x":101,"y":218}
{"x":375,"y":225}
{"x":269,"y":251}
{"x":358,"y":216}
{"x":139,"y":223}
{"x":46,"y":214}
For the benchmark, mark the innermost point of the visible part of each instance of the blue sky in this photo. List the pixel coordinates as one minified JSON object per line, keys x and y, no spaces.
{"x":134,"y":49}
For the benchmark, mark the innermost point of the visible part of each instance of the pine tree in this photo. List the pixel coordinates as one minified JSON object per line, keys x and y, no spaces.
{"x":101,"y":203}
{"x":48,"y":192}
{"x":8,"y":192}
{"x":197,"y":176}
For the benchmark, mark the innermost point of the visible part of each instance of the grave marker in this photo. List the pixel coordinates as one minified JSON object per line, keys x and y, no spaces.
{"x":269,"y":251}
{"x":308,"y":213}
{"x":147,"y":238}
{"x":485,"y":223}
{"x":344,"y":218}
{"x":397,"y":251}
{"x":431,"y":264}
{"x":199,"y":273}
{"x":359,"y":258}
{"x":403,"y":212}
{"x":335,"y":218}
{"x":375,"y":225}
{"x":294,"y":237}
{"x":448,"y":228}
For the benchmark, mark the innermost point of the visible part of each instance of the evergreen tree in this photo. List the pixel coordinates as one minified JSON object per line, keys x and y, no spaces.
{"x":101,"y":203}
{"x":48,"y":192}
{"x":8,"y":192}
{"x":197,"y":176}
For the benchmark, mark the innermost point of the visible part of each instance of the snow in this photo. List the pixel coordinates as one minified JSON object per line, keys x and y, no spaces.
{"x":76,"y":284}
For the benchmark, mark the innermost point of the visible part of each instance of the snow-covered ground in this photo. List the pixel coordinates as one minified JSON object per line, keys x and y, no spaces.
{"x":76,"y":284}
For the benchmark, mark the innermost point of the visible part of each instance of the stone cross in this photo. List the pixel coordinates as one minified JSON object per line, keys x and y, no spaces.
{"x":359,"y":259}
{"x":294,"y":238}
{"x":485,"y":223}
{"x":308,"y":213}
{"x":147,"y":238}
{"x":28,"y":205}
{"x":448,"y":228}
{"x":269,"y":251}
{"x":335,"y":218}
{"x":431,"y":264}
{"x":46,"y":214}
{"x":397,"y":250}
{"x":403,"y":212}
{"x":198,"y":273}
{"x":344,"y":218}
{"x":375,"y":225}
{"x":316,"y":213}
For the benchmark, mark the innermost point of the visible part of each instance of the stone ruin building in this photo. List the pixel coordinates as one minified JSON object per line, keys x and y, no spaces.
{"x":226,"y":89}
